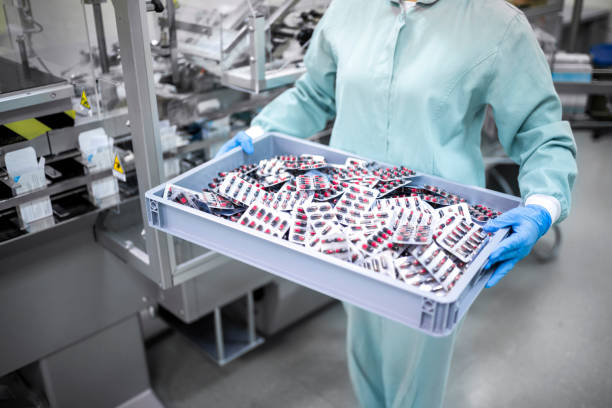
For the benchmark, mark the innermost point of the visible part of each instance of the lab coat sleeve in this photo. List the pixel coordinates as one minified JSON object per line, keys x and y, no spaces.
{"x":527,"y":112}
{"x":306,"y":108}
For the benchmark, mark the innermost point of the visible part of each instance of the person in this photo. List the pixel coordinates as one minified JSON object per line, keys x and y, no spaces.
{"x":408,"y":83}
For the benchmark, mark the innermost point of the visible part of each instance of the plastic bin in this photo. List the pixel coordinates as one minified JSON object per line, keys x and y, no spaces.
{"x":433,"y":314}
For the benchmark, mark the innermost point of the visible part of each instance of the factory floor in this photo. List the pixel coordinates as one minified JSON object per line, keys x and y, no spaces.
{"x":540,"y":338}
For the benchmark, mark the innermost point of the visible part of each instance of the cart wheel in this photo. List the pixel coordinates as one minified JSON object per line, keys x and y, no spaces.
{"x":547,"y":248}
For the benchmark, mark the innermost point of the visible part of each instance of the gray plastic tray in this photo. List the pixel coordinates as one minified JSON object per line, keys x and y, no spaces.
{"x":428,"y":312}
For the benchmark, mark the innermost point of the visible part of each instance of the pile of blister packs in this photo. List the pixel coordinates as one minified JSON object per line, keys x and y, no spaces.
{"x":357,"y":211}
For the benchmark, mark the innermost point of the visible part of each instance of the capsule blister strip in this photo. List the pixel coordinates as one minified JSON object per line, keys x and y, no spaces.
{"x":483,"y":214}
{"x":335,"y":243}
{"x":289,"y":197}
{"x":461,"y":209}
{"x":381,"y":263}
{"x":413,"y":273}
{"x":412,"y":203}
{"x":300,"y":231}
{"x":375,"y":242}
{"x":265,"y":219}
{"x":317,"y":214}
{"x":183,"y":195}
{"x":312,"y":182}
{"x":386,"y":188}
{"x":461,"y":238}
{"x":355,"y":201}
{"x":240,"y":191}
{"x":438,"y":263}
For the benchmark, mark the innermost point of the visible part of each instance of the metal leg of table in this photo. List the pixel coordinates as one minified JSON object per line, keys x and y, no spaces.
{"x":222,"y":338}
{"x":219,"y":335}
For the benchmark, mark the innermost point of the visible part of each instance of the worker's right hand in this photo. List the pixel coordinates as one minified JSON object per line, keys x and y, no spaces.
{"x":528,"y":224}
{"x":239,"y":139}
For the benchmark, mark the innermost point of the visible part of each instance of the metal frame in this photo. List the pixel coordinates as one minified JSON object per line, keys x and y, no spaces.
{"x":53,"y":189}
{"x":590,"y":88}
{"x":158,"y":262}
{"x":131,"y":20}
{"x":254,"y":77}
{"x":43,"y":100}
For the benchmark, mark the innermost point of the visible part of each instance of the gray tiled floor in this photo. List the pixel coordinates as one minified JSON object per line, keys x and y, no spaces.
{"x":541,"y":338}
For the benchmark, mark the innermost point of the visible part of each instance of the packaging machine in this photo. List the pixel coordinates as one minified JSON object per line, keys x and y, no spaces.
{"x":92,"y":278}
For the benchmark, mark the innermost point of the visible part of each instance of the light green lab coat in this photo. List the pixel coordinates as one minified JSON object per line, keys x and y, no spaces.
{"x":410,"y":86}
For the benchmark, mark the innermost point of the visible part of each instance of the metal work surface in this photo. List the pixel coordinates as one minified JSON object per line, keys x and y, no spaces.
{"x":16,"y":77}
{"x":428,"y":312}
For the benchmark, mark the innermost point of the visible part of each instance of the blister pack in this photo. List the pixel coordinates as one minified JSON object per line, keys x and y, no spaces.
{"x":386,"y":188}
{"x":276,"y":180}
{"x":335,"y":190}
{"x":408,"y":234}
{"x":265,"y":219}
{"x":240,"y":191}
{"x":482,"y":213}
{"x":317,"y":214}
{"x":306,"y":163}
{"x":381,"y":263}
{"x":413,"y":273}
{"x":355,"y":162}
{"x":376,"y":241}
{"x":436,"y":200}
{"x":412,"y":203}
{"x":393,"y":173}
{"x":461,"y":209}
{"x":347,"y":173}
{"x":462,"y":239}
{"x":271,"y":167}
{"x":355,"y":201}
{"x":312,"y":182}
{"x":452,"y":198}
{"x":414,"y":227}
{"x":300,"y":229}
{"x":289,"y":197}
{"x":185,"y":196}
{"x":438,"y":264}
{"x":408,"y":267}
{"x":335,"y":243}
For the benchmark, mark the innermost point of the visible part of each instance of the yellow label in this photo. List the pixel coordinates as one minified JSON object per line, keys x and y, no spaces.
{"x":28,"y":128}
{"x":84,"y":101}
{"x":118,"y":171}
{"x":117,"y":166}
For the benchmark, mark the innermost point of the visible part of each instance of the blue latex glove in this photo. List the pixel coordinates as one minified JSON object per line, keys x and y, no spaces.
{"x":239,"y":139}
{"x":528,"y":225}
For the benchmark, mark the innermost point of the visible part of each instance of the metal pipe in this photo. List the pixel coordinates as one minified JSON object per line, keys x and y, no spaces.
{"x":575,"y":24}
{"x":257,"y":61}
{"x":173,"y":41}
{"x":23,"y":53}
{"x":99,"y":23}
{"x":219,"y":336}
{"x":251,"y":318}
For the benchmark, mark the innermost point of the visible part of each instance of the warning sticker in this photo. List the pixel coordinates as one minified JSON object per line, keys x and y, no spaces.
{"x":118,"y":170}
{"x":84,"y":101}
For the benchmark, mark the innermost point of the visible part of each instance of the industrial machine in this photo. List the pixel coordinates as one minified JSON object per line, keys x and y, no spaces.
{"x":81,"y":104}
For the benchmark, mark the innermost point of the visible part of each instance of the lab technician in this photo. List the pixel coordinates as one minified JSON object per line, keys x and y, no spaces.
{"x":407,"y":83}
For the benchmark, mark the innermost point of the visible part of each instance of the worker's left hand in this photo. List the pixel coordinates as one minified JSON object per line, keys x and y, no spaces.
{"x":528,"y":224}
{"x":240,"y":139}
